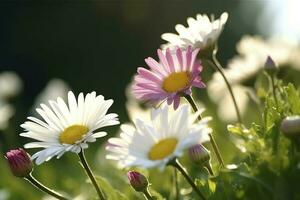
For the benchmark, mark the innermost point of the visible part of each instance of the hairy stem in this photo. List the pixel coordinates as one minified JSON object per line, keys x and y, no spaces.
{"x":218,"y":67}
{"x":175,"y":163}
{"x":147,"y":194}
{"x":190,"y":99}
{"x":43,"y":188}
{"x":90,"y":174}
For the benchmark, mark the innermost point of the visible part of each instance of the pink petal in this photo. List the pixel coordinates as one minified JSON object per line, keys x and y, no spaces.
{"x":188,"y":58}
{"x":148,"y":75}
{"x":176,"y":102}
{"x":170,"y":60}
{"x":197,"y":66}
{"x":149,"y":86}
{"x":179,"y":56}
{"x":198,"y":83}
{"x":194,"y":55}
{"x":156,"y":67}
{"x":163,"y":60}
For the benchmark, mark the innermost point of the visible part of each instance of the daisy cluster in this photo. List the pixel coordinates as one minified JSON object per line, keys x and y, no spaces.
{"x":170,"y":123}
{"x":156,"y":138}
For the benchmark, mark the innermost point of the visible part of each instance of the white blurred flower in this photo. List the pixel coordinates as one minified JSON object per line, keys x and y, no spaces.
{"x":253,"y":52}
{"x":10,"y":84}
{"x":200,"y":33}
{"x":6,"y":112}
{"x":54,"y":88}
{"x":4,"y":194}
{"x":134,"y":107}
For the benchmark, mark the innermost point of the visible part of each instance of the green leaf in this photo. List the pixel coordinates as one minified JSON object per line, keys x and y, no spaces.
{"x":110,"y":192}
{"x":293,"y":98}
{"x":238,"y":130}
{"x":155,"y":195}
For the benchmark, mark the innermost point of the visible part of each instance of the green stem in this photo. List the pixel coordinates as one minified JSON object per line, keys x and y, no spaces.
{"x":90,"y":174}
{"x":209,"y":168}
{"x":218,"y":67}
{"x":147,"y":194}
{"x":175,"y":163}
{"x":43,"y":188}
{"x":274,"y":90}
{"x":190,"y":99}
{"x":216,"y":149}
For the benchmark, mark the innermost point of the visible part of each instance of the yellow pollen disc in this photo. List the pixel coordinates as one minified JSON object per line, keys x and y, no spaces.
{"x":162,"y":149}
{"x":176,"y":81}
{"x":72,"y":134}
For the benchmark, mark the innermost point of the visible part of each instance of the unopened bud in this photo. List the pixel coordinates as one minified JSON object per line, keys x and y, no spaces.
{"x":138,"y":181}
{"x":19,"y":162}
{"x":270,"y":66}
{"x":290,"y":126}
{"x":199,"y":154}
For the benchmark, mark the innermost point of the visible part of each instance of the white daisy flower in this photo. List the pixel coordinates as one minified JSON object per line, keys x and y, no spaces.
{"x":155,"y":142}
{"x":200,"y":33}
{"x":68,"y":127}
{"x":253,"y":52}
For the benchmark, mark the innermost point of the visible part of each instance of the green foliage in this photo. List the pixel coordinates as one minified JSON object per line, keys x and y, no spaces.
{"x":270,"y":157}
{"x":292,"y":97}
{"x":110,"y":192}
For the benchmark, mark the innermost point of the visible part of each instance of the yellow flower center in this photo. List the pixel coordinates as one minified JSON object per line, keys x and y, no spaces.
{"x":176,"y":81}
{"x":72,"y":134}
{"x":162,"y":149}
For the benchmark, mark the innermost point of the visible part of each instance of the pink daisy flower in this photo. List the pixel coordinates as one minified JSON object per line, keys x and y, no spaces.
{"x":172,"y":77}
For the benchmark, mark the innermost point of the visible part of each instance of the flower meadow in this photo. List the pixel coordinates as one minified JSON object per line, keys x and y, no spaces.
{"x":229,"y":134}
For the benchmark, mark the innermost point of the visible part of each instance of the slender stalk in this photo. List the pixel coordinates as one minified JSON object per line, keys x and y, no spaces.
{"x":90,"y":174}
{"x":209,"y":169}
{"x":274,"y":89}
{"x":216,"y":149}
{"x":175,"y":180}
{"x":147,"y":194}
{"x":43,"y":188}
{"x":216,"y":64}
{"x":175,"y":163}
{"x":190,"y":99}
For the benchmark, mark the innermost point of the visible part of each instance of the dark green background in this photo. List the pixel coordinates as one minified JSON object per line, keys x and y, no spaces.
{"x":97,"y":45}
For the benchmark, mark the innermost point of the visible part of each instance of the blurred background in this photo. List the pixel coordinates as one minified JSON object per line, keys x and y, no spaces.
{"x":50,"y":47}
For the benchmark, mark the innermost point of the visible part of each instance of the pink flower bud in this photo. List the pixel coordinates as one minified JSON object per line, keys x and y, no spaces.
{"x":19,"y":162}
{"x":138,"y":181}
{"x":270,"y":66}
{"x":199,"y":154}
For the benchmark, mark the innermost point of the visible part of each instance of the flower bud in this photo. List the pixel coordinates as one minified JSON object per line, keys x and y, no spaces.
{"x":290,"y":126}
{"x":138,"y":181}
{"x":199,"y":154}
{"x":270,"y":66}
{"x":207,"y":52}
{"x":19,"y":162}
